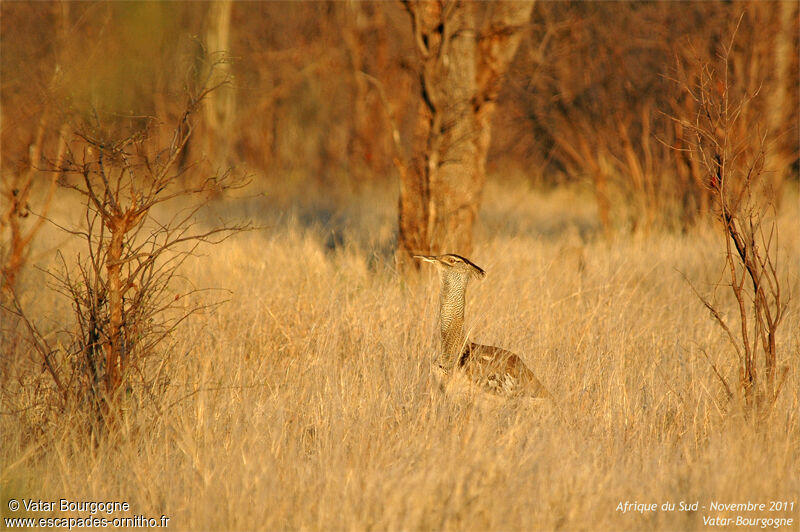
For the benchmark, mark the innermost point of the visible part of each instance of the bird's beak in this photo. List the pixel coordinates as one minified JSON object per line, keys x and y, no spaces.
{"x":426,"y":258}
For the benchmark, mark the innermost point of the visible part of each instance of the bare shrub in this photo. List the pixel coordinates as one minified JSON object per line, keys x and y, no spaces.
{"x":733,"y":153}
{"x":121,"y":290}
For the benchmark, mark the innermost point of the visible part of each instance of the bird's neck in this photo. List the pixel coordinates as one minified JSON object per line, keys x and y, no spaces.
{"x":451,"y":315}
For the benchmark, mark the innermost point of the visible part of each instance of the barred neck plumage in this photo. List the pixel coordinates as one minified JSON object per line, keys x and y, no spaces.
{"x":451,"y":313}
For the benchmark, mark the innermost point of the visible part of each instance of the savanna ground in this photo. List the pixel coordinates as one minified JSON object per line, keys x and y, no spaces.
{"x":306,"y":403}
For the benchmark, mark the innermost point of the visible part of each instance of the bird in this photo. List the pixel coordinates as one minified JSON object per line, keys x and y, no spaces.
{"x":490,"y":369}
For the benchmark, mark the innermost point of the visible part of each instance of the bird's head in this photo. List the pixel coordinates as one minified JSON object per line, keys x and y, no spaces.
{"x":454,"y":263}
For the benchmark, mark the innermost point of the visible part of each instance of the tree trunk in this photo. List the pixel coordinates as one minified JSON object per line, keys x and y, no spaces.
{"x":365,"y":36}
{"x":779,"y":122}
{"x":115,"y":341}
{"x":461,"y":72}
{"x":220,"y":104}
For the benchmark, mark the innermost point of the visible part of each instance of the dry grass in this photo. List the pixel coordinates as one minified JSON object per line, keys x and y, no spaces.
{"x":306,"y":402}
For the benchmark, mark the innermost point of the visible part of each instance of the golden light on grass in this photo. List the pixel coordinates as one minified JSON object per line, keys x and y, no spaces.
{"x":307,"y":401}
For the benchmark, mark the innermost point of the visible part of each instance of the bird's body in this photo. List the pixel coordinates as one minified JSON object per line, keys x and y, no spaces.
{"x":486,"y":368}
{"x":500,"y":371}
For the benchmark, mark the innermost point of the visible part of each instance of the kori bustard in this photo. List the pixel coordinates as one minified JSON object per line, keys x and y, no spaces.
{"x":492,"y":369}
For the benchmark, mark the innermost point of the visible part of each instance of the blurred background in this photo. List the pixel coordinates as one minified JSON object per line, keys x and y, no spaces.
{"x":315,"y":86}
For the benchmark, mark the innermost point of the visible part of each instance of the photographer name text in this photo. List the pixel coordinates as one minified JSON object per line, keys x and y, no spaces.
{"x":739,"y":509}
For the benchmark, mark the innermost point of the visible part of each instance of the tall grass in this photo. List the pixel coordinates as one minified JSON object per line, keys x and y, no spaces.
{"x":306,"y":401}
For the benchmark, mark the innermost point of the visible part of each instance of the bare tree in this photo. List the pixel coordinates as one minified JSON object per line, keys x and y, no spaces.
{"x":733,"y":163}
{"x":121,"y":288}
{"x":461,"y":69}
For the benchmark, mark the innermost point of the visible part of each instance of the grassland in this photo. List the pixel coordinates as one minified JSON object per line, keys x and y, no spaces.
{"x":305,"y":402}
